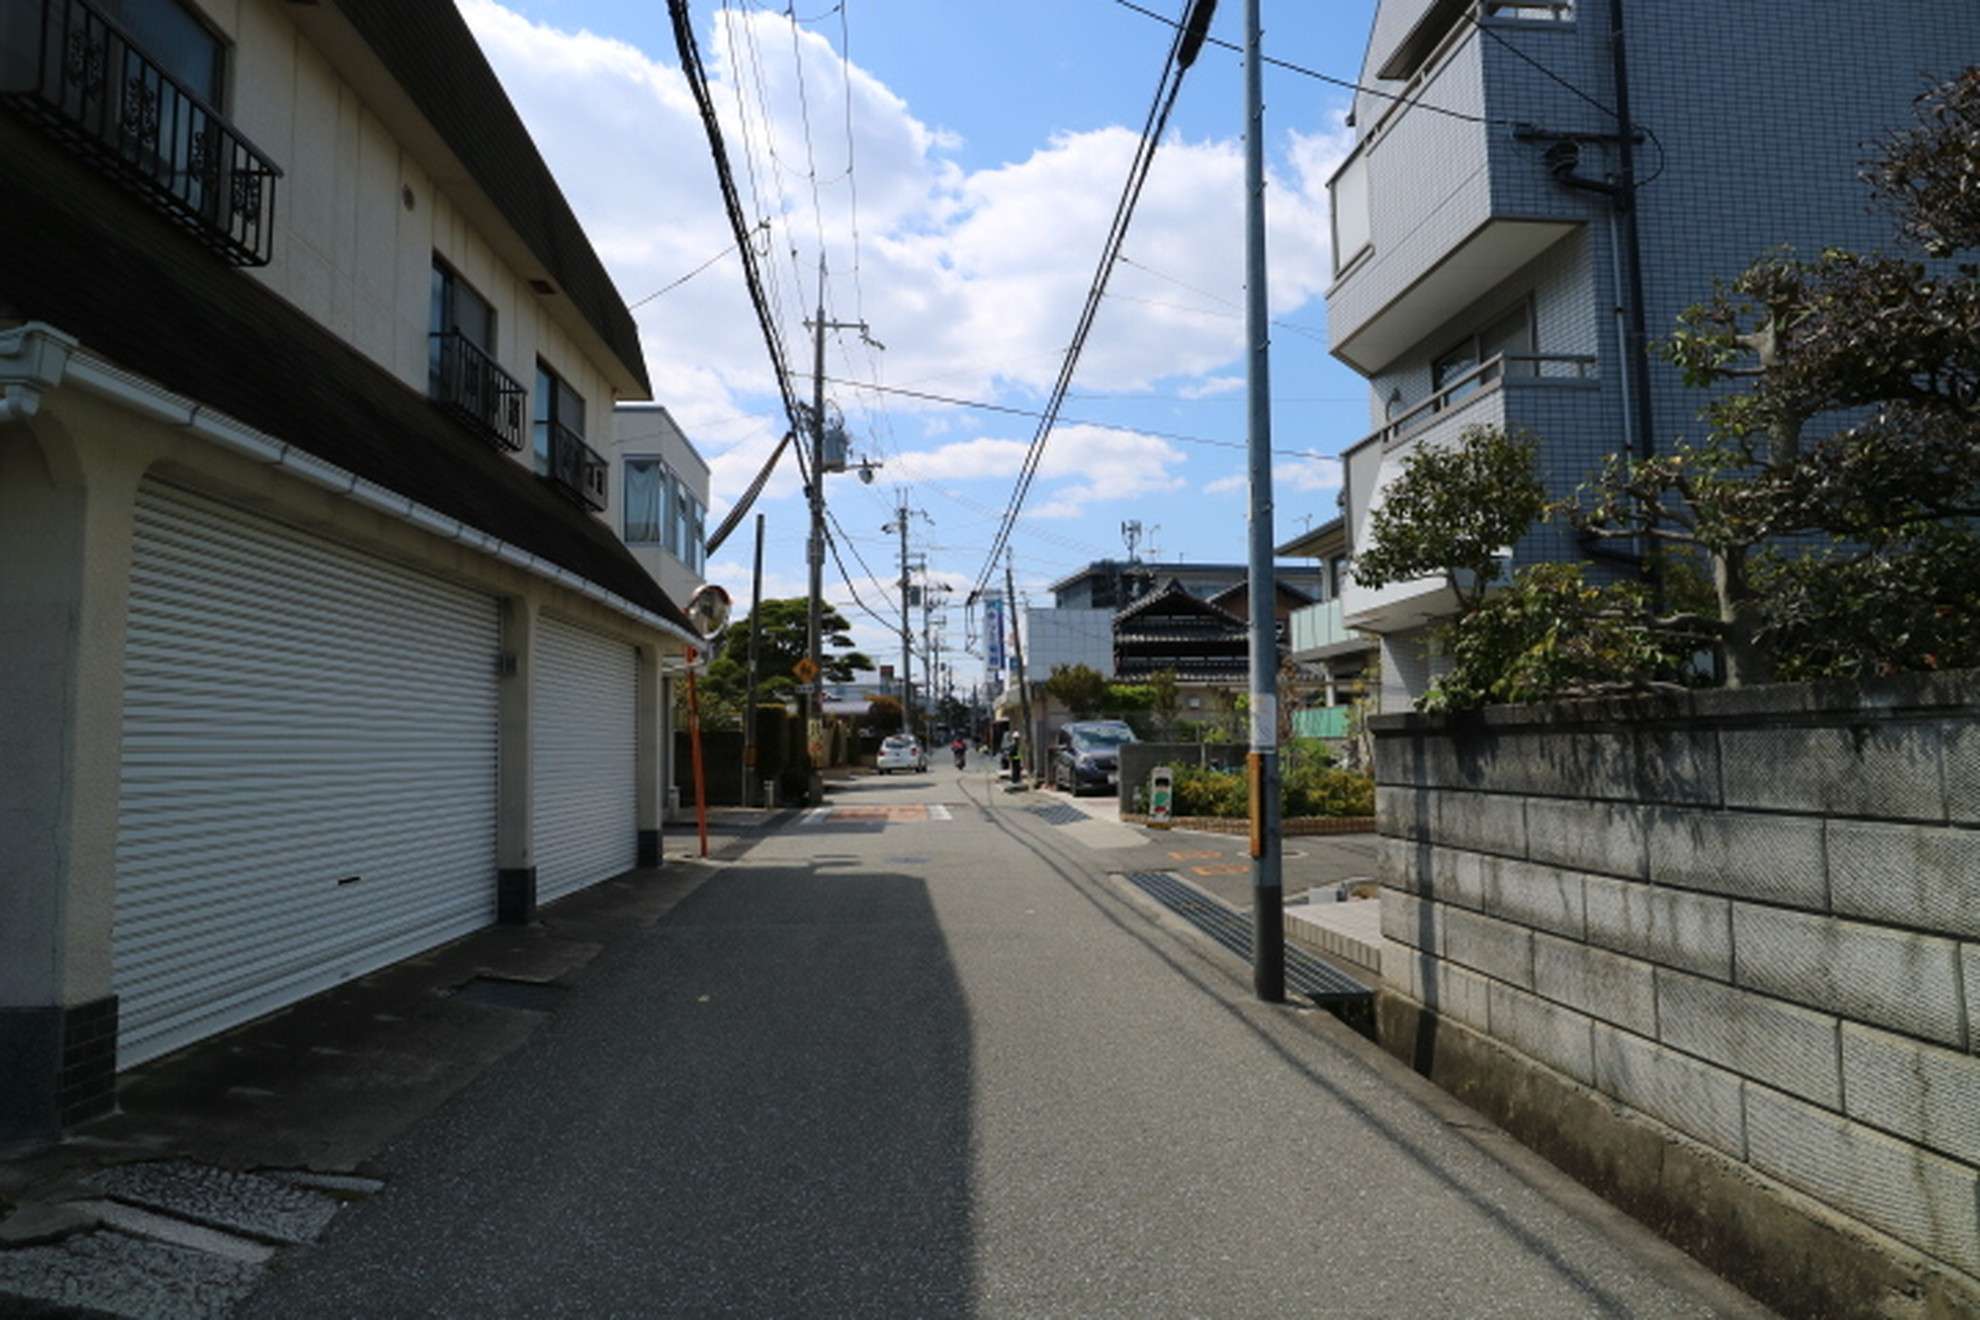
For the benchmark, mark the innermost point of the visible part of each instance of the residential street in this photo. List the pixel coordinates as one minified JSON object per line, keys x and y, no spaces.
{"x":930,"y":1061}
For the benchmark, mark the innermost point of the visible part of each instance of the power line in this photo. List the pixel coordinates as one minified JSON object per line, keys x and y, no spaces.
{"x":1015,"y":411}
{"x":635,"y":306}
{"x":1307,"y":330}
{"x":1182,"y":53}
{"x":1347,"y":83}
{"x":1662,"y":158}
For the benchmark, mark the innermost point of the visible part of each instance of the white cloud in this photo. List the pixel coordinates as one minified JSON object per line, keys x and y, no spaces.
{"x":972,"y":278}
{"x":1211,"y":387}
{"x":1082,"y":465}
{"x":1225,"y":485}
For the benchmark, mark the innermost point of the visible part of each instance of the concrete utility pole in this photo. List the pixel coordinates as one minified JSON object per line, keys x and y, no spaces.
{"x":1025,"y":749}
{"x":900,"y":524}
{"x":1268,"y":928}
{"x":749,"y":687}
{"x":812,"y":706}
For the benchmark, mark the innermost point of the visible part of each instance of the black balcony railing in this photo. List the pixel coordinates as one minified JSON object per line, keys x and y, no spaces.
{"x":577,"y":468}
{"x":80,"y":76}
{"x":469,"y":384}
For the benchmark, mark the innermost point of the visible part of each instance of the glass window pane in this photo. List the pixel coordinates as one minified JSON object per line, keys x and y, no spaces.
{"x":540,"y":404}
{"x":184,"y":47}
{"x":1511,"y":333}
{"x":643,"y":500}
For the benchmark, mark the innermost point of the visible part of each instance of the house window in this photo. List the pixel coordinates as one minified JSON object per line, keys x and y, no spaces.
{"x":1337,"y":575}
{"x":1510,"y":334}
{"x":553,"y":403}
{"x":454,"y":307}
{"x":1348,"y":193}
{"x":645,"y":499}
{"x":178,"y":42}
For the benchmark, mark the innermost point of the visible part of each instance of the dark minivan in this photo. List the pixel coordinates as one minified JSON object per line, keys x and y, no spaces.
{"x":1087,"y":754}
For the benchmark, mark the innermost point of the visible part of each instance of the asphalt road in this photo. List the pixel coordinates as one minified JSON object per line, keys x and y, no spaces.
{"x":894,"y":1064}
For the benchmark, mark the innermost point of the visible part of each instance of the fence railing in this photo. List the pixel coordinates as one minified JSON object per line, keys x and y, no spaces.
{"x":1542,"y":11}
{"x":77,"y":73}
{"x":578,"y":468}
{"x":472,"y":386}
{"x":1494,"y":371}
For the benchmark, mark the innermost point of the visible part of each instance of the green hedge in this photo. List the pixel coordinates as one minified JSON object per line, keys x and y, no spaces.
{"x":1308,"y":786}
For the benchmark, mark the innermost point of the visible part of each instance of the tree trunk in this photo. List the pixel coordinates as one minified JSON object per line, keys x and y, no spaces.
{"x":1739,"y":609}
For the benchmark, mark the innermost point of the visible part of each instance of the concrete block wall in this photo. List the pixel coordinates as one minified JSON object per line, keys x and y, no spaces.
{"x":1751,"y":916}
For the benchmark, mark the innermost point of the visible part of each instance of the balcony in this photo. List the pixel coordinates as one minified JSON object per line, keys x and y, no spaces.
{"x":1320,"y":631}
{"x":1557,"y":395}
{"x":1432,"y":211}
{"x":79,"y":76}
{"x":468,"y":383}
{"x":576,"y":468}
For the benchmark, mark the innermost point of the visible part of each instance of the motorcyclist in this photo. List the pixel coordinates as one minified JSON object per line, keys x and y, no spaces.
{"x":960,"y":746}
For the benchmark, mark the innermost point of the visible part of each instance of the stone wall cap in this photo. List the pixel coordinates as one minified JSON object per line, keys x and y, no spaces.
{"x":1957,"y":688}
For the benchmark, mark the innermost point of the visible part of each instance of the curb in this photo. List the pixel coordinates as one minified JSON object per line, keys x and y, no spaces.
{"x":1297,"y":827}
{"x":1338,"y":944}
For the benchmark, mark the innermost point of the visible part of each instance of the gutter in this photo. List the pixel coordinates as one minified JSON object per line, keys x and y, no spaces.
{"x":36,"y":358}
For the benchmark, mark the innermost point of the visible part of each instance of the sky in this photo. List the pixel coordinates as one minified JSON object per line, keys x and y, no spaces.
{"x":958,"y":164}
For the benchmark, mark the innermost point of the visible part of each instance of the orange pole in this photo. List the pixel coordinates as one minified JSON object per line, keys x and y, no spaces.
{"x":694,"y":741}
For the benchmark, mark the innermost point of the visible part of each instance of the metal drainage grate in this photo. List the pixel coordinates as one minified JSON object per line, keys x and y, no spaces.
{"x":1058,"y":813}
{"x":1317,"y":980}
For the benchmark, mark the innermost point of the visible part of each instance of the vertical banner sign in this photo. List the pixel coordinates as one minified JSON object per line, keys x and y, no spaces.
{"x":993,"y":632}
{"x":1161,"y":796}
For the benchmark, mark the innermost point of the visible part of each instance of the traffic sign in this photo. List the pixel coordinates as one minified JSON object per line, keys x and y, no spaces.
{"x":806,"y":669}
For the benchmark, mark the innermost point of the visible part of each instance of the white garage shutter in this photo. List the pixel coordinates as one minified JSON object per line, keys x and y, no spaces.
{"x":309,"y":768}
{"x":582,"y":756}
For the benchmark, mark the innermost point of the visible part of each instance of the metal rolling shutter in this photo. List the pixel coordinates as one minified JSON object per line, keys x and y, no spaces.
{"x":309,"y":768}
{"x":582,"y":756}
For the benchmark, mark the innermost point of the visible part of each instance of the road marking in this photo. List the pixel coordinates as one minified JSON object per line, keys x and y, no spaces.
{"x":939,"y":812}
{"x":1223,"y":868}
{"x":816,"y":814}
{"x":1197,"y":856}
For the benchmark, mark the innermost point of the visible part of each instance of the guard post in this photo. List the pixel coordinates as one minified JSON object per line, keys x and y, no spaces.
{"x":1161,"y":796}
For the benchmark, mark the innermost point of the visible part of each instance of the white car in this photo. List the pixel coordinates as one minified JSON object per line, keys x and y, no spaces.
{"x":902,"y":753}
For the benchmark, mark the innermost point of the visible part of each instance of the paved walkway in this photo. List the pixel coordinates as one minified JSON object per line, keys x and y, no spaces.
{"x":901,"y":1062}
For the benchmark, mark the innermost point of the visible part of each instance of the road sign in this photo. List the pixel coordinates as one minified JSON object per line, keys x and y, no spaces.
{"x":806,"y":669}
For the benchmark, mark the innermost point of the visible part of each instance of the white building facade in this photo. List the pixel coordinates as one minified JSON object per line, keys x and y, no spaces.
{"x":321,"y":650}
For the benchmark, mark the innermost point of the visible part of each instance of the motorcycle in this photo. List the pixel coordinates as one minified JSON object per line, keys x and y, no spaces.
{"x":962,"y":757}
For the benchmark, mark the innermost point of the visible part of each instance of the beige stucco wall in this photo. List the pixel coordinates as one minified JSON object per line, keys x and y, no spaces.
{"x":347,"y":249}
{"x":68,"y":483}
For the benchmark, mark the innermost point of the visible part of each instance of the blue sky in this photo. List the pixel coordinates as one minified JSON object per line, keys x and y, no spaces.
{"x":989,"y":143}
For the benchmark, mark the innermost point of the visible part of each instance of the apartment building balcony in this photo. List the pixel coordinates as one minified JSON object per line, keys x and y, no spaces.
{"x":471,"y":385}
{"x":577,"y":469}
{"x":1534,"y":392}
{"x":80,"y":76}
{"x":1320,"y":632}
{"x":1424,"y":222}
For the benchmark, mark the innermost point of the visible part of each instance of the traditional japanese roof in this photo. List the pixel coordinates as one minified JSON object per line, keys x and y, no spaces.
{"x":94,"y":261}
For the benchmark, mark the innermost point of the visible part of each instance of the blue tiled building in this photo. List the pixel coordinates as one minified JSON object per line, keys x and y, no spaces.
{"x":1476,"y":283}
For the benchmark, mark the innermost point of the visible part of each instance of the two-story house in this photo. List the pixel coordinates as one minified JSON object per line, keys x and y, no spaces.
{"x":659,"y":485}
{"x":319,"y":646}
{"x":1481,"y":262}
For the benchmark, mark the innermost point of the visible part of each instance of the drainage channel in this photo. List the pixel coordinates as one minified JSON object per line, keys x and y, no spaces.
{"x":1306,"y":974}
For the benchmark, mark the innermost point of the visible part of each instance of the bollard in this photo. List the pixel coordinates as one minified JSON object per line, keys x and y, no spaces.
{"x":1161,"y":795}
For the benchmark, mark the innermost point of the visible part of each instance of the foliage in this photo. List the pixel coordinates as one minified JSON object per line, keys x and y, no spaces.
{"x":883,"y":715}
{"x":1452,"y":513}
{"x":1855,"y":420}
{"x":780,"y":645}
{"x":1124,"y":698}
{"x":1549,"y":634}
{"x":1164,"y":699}
{"x":1308,"y":786}
{"x":1079,"y":688}
{"x":1913,"y":606}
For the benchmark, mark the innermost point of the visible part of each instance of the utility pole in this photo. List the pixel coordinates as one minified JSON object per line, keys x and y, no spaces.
{"x":1026,"y":751}
{"x":1268,"y":928}
{"x":749,"y":687}
{"x":812,"y":706}
{"x":900,"y":524}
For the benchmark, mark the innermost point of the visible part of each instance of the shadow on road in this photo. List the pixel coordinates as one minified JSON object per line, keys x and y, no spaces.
{"x":760,"y":1108}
